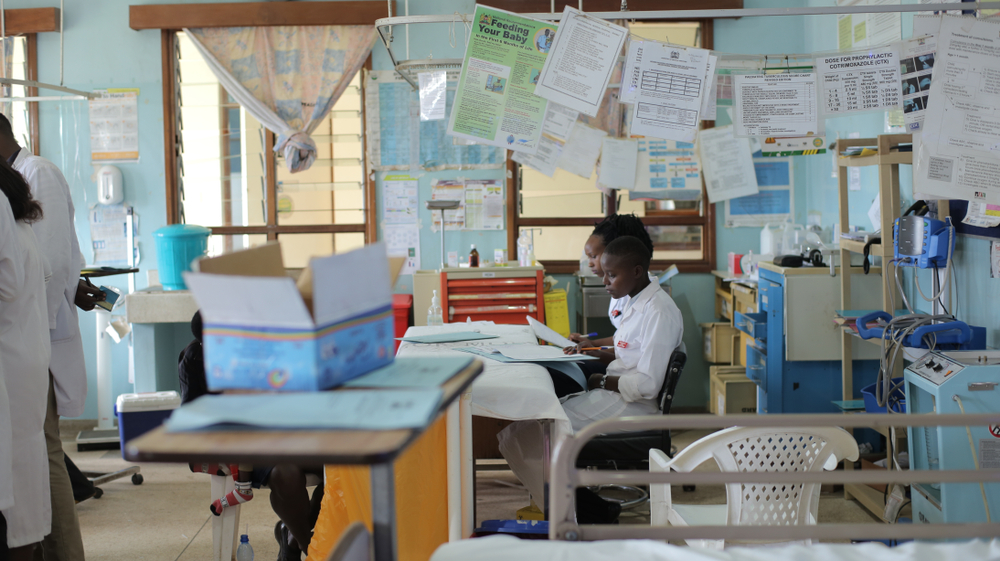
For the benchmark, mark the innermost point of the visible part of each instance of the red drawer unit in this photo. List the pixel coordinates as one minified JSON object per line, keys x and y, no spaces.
{"x":493,"y":295}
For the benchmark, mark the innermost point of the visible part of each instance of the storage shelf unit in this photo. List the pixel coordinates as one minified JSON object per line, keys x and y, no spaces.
{"x":888,"y":159}
{"x":499,"y":294}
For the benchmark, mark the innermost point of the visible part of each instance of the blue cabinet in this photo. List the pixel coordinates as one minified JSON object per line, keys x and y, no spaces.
{"x":794,"y":357}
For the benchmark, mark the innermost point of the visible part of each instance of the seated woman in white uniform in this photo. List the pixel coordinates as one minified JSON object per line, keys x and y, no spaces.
{"x":24,"y":352}
{"x":651,"y":328}
{"x":605,"y":232}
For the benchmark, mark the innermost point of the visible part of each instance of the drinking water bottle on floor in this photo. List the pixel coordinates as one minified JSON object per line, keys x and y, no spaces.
{"x":244,"y":552}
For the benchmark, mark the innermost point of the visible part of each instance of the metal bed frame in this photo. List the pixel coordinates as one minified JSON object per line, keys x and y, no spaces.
{"x":566,"y":478}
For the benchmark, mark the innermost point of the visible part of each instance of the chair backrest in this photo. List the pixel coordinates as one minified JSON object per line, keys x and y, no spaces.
{"x":674,"y":369}
{"x":741,"y":449}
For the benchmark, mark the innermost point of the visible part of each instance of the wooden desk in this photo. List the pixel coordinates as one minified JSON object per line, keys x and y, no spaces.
{"x":375,"y":448}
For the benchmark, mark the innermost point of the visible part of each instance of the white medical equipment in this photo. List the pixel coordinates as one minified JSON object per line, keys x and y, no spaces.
{"x":110,"y":185}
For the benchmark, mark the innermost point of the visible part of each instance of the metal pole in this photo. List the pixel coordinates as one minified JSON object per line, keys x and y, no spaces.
{"x":384,"y":511}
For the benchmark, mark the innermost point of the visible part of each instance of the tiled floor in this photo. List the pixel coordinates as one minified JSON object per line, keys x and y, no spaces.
{"x":167,"y":517}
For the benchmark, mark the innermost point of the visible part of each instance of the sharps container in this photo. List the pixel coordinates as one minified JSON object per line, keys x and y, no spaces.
{"x":139,"y":413}
{"x":176,"y":247}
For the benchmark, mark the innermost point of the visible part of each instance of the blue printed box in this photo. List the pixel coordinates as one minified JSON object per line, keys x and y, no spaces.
{"x":262,"y":332}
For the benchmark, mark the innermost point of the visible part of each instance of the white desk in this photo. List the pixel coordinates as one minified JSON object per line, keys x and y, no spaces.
{"x":511,"y":391}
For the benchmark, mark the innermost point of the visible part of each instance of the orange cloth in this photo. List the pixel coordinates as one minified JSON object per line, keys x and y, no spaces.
{"x":421,"y":499}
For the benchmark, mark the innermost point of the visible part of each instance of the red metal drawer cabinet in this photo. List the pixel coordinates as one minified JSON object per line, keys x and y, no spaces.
{"x":493,"y":294}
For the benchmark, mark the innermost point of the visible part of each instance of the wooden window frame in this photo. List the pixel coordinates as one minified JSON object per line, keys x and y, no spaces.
{"x":707,"y":221}
{"x":226,"y":15}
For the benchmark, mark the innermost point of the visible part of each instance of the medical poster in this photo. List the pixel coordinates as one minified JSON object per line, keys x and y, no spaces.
{"x":448,"y":190}
{"x":108,"y":234}
{"x":496,"y":103}
{"x":729,"y":170}
{"x":916,"y":67}
{"x":579,"y":67}
{"x":399,"y":200}
{"x":114,"y":125}
{"x":671,"y":85}
{"x":775,"y":105}
{"x":959,"y":154}
{"x":982,"y":215}
{"x":403,"y":240}
{"x":774,"y":202}
{"x":556,"y":129}
{"x":855,"y":82}
{"x":859,"y":31}
{"x":618,"y":163}
{"x":667,"y":169}
{"x":399,"y":141}
{"x":484,"y":204}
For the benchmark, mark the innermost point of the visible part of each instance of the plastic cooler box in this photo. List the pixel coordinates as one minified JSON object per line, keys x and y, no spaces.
{"x":139,"y":413}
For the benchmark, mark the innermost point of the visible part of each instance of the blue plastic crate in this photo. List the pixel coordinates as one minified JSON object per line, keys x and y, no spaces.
{"x":872,"y":406}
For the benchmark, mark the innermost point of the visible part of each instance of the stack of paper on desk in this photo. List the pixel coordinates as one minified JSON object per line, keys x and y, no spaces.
{"x":535,"y":353}
{"x":343,"y":410}
{"x":447,"y":337}
{"x":413,"y":372}
{"x":566,"y":365}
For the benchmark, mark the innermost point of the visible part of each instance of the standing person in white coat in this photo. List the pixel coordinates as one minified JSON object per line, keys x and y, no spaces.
{"x":11,"y":279}
{"x":25,"y":354}
{"x":57,"y":242}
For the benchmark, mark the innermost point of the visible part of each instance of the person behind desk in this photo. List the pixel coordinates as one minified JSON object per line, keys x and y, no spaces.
{"x":651,"y":328}
{"x":290,"y":500}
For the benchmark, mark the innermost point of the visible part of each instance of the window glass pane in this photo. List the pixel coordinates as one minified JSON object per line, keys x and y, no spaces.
{"x":560,"y":243}
{"x":297,"y":249}
{"x":19,"y":118}
{"x":332,"y":190}
{"x":221,"y":160}
{"x":564,"y":195}
{"x":217,"y":245}
{"x":676,"y":243}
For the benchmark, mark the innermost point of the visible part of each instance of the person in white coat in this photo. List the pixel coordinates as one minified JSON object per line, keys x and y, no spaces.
{"x":11,"y":280}
{"x":651,"y":329}
{"x":25,"y":354}
{"x":57,"y":242}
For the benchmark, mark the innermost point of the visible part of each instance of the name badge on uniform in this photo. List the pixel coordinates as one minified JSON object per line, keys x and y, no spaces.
{"x":623,"y":344}
{"x":616,"y":313}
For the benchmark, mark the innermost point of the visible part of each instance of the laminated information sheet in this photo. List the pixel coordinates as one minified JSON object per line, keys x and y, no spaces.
{"x":671,"y":86}
{"x":775,"y":105}
{"x":558,"y":125}
{"x":399,"y":200}
{"x":916,"y":66}
{"x":496,"y":102}
{"x":775,"y":202}
{"x":959,"y":155}
{"x":114,"y":125}
{"x":855,"y":82}
{"x":583,"y":56}
{"x":618,"y":163}
{"x":729,"y":170}
{"x":667,"y":169}
{"x":580,"y":153}
{"x":483,"y":204}
{"x":448,"y":190}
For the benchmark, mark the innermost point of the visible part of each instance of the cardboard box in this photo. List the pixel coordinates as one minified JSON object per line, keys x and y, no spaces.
{"x":741,"y":356}
{"x":262,"y":332}
{"x":717,"y":340}
{"x":733,"y":394}
{"x":744,"y":299}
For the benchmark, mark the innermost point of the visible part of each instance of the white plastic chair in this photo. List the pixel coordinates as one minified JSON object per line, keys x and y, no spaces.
{"x":740,"y":449}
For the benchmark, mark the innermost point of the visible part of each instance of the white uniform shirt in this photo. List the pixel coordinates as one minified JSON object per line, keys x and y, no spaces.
{"x":652,"y":327}
{"x":617,"y":307}
{"x":56,"y":235}
{"x":11,"y":279}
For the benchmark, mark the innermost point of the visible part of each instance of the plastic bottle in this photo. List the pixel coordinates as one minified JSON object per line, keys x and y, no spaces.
{"x":434,"y":316}
{"x":474,"y":257}
{"x":525,"y":255}
{"x":244,"y":552}
{"x":584,"y":265}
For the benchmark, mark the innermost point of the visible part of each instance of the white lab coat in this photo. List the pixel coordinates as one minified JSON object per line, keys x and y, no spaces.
{"x":25,"y":353}
{"x":56,"y":234}
{"x":651,"y":328}
{"x":11,"y":280}
{"x":617,"y":306}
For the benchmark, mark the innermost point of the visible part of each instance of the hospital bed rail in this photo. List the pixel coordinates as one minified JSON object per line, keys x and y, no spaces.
{"x":566,"y":477}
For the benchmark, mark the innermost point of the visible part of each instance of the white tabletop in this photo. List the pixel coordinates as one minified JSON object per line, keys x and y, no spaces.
{"x":505,"y":390}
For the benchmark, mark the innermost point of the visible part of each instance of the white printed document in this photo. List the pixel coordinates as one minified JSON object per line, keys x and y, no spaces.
{"x":618,"y":163}
{"x":728,"y":164}
{"x":671,"y":86}
{"x":916,"y":66}
{"x":433,"y":89}
{"x":399,"y":199}
{"x":775,"y":105}
{"x":631,"y":72}
{"x":547,"y":334}
{"x":578,"y":69}
{"x":709,"y":101}
{"x":855,"y":82}
{"x":580,"y":153}
{"x":959,"y":155}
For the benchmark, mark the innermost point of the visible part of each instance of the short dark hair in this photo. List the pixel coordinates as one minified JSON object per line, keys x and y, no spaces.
{"x":631,"y":249}
{"x":622,"y":225}
{"x":13,"y":185}
{"x":6,"y":131}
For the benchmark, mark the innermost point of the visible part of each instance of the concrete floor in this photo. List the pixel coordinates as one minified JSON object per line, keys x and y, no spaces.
{"x":167,"y":517}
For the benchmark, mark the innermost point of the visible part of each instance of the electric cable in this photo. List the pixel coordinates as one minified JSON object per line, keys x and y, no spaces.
{"x":975,"y":459}
{"x":947,"y":268}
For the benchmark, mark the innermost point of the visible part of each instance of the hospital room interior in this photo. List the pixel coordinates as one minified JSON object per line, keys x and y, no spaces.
{"x":417,"y":280}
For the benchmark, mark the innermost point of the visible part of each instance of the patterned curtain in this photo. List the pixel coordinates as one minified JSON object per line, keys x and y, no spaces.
{"x":7,"y":107}
{"x":288,"y":78}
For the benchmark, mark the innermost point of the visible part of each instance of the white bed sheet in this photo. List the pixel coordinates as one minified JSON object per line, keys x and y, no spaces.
{"x":508,"y":548}
{"x":511,"y":390}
